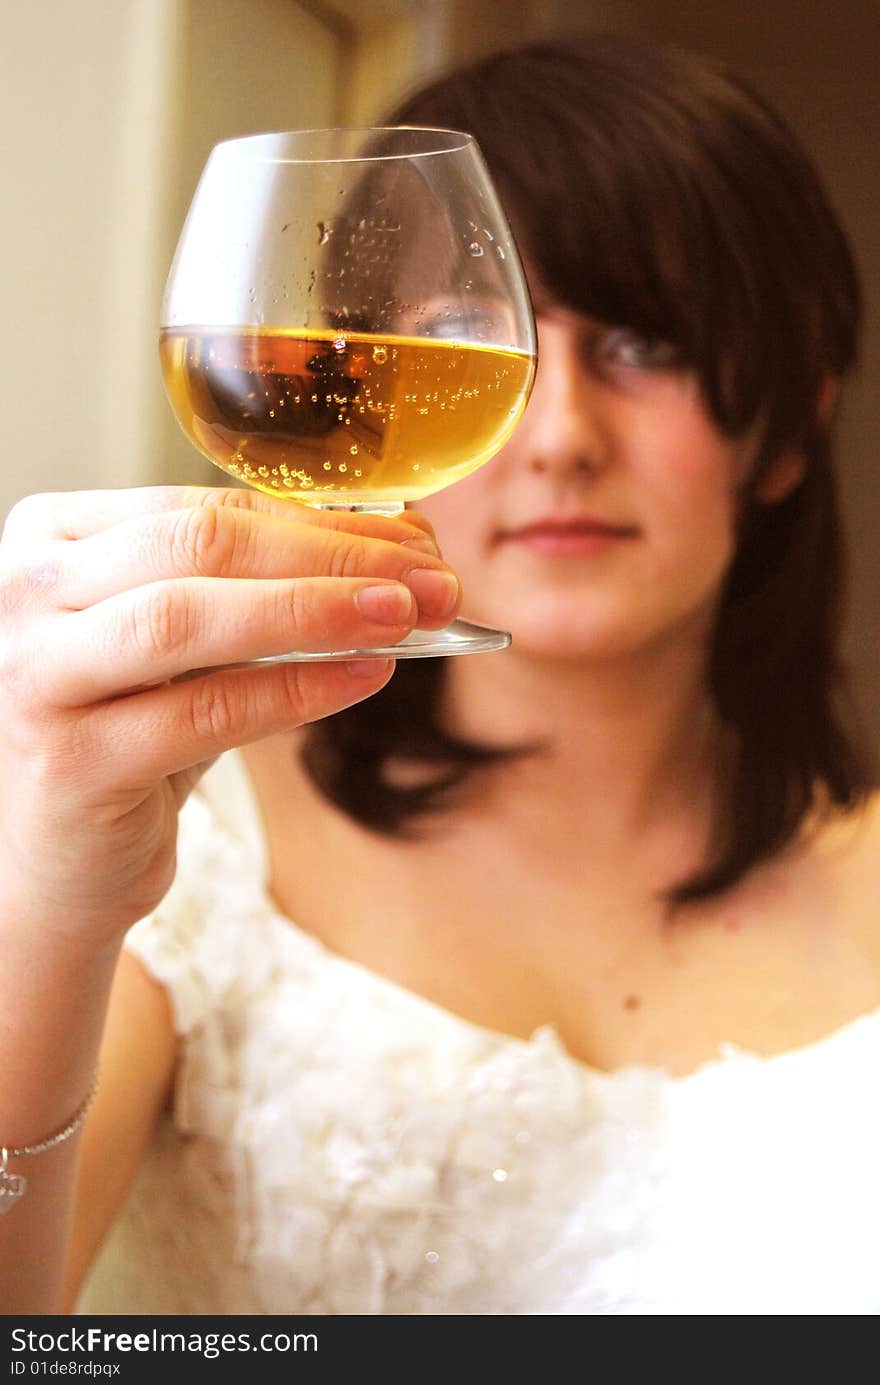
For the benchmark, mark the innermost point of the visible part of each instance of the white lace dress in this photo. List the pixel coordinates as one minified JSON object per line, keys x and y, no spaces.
{"x":341,"y":1146}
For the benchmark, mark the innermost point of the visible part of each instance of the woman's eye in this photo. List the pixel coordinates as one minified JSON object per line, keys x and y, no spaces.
{"x":621,"y":346}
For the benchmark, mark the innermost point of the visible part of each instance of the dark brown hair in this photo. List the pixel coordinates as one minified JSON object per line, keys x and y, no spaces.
{"x":651,"y":189}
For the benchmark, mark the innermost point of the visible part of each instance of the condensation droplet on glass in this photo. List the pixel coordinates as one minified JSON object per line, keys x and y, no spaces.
{"x":417,"y":466}
{"x":263,"y":471}
{"x":325,"y":231}
{"x":432,"y":1257}
{"x":501,"y":254}
{"x":380,"y":354}
{"x":475,"y":249}
{"x":339,"y":343}
{"x":487,"y":233}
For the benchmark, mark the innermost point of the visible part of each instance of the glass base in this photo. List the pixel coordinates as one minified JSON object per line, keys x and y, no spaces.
{"x":459,"y":637}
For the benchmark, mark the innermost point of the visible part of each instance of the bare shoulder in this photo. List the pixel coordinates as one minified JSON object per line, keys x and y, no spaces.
{"x":138,"y":1054}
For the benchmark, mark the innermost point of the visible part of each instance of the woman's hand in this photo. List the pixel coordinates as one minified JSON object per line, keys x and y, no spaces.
{"x":107,"y":599}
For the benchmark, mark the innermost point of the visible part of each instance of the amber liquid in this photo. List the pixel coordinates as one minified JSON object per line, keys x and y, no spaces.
{"x":332,"y":417}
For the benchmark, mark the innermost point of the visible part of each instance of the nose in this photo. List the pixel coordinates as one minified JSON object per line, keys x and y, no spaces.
{"x":562,"y":429}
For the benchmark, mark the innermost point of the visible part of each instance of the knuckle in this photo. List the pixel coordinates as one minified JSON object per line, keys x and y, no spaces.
{"x":26,"y":685}
{"x":346,"y":556}
{"x":203,"y":541}
{"x":294,"y":702}
{"x":10,"y":664}
{"x":298,"y":603}
{"x":29,"y":513}
{"x":228,"y":498}
{"x":24,"y":584}
{"x":214,"y":712}
{"x":163,"y":622}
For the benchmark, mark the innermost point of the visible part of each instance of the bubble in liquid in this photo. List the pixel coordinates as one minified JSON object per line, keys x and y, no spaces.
{"x":353,"y":449}
{"x":342,"y":466}
{"x":357,"y":471}
{"x":328,"y":466}
{"x":263,"y":471}
{"x":380,"y":354}
{"x":475,"y":249}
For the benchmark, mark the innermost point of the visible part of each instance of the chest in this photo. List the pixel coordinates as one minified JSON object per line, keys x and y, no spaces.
{"x":514,"y":933}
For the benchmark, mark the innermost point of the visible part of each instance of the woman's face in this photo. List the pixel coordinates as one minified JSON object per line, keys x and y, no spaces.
{"x":608,"y":520}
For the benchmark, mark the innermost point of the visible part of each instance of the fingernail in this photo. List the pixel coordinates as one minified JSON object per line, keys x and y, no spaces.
{"x":423,"y":544}
{"x":386,"y":605}
{"x":367,"y":668}
{"x":435,"y":591}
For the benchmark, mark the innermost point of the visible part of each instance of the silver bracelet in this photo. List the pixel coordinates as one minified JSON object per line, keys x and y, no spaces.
{"x":13,"y":1186}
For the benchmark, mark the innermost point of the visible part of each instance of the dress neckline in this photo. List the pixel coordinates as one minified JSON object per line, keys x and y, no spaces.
{"x":546,"y":1037}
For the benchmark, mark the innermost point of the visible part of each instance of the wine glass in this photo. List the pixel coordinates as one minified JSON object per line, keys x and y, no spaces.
{"x":347,"y":325}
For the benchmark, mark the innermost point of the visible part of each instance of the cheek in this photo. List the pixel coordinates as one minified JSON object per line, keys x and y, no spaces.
{"x":695,"y":489}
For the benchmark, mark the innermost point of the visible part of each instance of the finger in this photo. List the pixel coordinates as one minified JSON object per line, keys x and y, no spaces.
{"x":164,"y":630}
{"x":214,"y":542}
{"x":72,"y":515}
{"x":170,"y":729}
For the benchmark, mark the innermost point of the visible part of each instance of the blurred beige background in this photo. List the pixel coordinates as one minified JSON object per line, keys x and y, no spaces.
{"x":111,"y":107}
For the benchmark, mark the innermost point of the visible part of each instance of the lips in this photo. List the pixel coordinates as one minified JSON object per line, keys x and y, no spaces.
{"x":568,"y":535}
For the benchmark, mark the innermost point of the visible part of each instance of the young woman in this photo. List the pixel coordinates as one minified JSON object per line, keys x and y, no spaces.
{"x":539,"y":982}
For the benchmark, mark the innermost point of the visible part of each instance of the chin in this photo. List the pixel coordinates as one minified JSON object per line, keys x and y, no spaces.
{"x":558,"y":636}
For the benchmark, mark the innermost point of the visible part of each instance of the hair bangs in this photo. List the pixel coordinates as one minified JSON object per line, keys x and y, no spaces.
{"x":618,"y":212}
